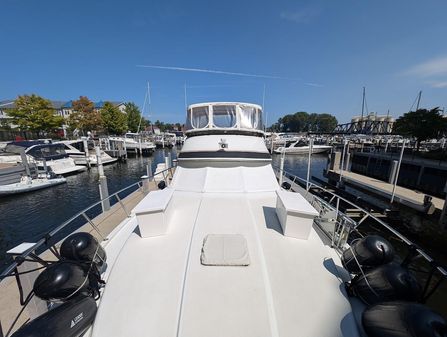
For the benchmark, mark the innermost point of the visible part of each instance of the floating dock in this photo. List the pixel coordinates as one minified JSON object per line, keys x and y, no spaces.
{"x":405,"y":196}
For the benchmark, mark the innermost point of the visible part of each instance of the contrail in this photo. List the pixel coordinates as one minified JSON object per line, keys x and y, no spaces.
{"x":197,"y":70}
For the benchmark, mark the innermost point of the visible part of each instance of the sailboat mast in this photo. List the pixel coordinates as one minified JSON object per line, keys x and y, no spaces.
{"x":419,"y":100}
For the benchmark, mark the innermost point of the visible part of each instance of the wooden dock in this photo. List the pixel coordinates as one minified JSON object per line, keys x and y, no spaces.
{"x":405,"y":196}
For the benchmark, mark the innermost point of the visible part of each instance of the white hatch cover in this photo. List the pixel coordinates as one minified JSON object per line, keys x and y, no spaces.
{"x":225,"y":250}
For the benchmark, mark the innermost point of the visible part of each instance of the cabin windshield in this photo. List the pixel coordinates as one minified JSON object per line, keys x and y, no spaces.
{"x":200,"y":117}
{"x":53,"y":151}
{"x":250,"y":117}
{"x":224,"y":115}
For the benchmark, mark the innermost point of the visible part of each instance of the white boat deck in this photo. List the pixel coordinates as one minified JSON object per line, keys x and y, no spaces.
{"x":290,"y":288}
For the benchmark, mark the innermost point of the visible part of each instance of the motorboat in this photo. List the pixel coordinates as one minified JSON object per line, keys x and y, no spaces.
{"x":134,"y":142}
{"x":27,"y":184}
{"x":16,"y":178}
{"x":165,"y":139}
{"x":47,"y":156}
{"x":225,"y":249}
{"x":302,"y":147}
{"x":76,"y":149}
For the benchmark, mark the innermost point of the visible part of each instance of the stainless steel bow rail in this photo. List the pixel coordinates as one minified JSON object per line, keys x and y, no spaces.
{"x":49,"y":241}
{"x":340,"y":228}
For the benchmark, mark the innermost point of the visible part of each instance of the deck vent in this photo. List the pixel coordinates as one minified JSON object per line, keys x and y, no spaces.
{"x":225,"y":250}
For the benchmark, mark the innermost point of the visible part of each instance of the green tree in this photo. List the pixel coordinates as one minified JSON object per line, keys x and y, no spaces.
{"x":302,"y":121}
{"x":133,"y":117}
{"x":35,"y":113}
{"x":325,"y":123}
{"x":422,"y":124}
{"x":84,"y":116}
{"x":114,"y":121}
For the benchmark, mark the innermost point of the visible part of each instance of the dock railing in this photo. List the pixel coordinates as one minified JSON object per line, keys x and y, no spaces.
{"x":340,"y":228}
{"x":32,"y":253}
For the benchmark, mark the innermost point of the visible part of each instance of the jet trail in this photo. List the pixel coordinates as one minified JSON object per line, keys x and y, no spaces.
{"x":197,"y":70}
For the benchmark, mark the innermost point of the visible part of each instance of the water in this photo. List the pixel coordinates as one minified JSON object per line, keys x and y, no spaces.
{"x":28,"y":217}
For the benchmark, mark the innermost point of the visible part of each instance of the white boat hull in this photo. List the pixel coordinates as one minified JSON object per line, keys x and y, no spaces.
{"x":304,"y":149}
{"x":28,"y":186}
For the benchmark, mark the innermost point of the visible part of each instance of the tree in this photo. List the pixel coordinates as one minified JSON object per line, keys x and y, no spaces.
{"x":84,"y":117}
{"x":302,"y":121}
{"x":133,"y":114}
{"x":114,"y":121}
{"x":35,"y":113}
{"x":325,"y":123}
{"x":422,"y":124}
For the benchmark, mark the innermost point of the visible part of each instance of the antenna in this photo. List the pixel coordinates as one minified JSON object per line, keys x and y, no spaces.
{"x":263,"y":108}
{"x":144,"y":105}
{"x":363,"y":102}
{"x":186,"y":100}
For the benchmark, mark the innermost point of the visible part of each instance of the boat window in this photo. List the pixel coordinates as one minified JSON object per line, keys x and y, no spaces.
{"x":200,"y":117}
{"x":251,"y":117}
{"x":224,"y":116}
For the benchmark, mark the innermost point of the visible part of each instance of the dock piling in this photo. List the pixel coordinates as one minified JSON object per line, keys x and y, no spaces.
{"x":281,"y":167}
{"x":149,"y":169}
{"x":87,"y":157}
{"x":103,"y":189}
{"x":397,"y":171}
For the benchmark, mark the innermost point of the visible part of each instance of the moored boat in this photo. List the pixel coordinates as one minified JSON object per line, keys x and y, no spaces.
{"x":82,"y":156}
{"x":47,"y":156}
{"x":302,"y":147}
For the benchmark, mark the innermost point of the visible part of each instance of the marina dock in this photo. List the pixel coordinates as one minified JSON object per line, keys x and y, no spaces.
{"x":405,"y":196}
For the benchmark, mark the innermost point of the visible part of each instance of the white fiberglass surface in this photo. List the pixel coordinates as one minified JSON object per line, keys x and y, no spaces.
{"x":235,"y":179}
{"x":158,"y":287}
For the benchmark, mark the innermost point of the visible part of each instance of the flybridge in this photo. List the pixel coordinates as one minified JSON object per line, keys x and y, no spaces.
{"x":224,"y":116}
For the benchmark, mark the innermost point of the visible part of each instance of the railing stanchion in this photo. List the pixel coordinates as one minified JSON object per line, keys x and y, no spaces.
{"x":281,"y":167}
{"x":93,"y":226}
{"x":122,"y":205}
{"x":309,"y":159}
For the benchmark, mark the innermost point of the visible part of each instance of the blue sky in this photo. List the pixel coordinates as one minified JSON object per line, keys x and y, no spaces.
{"x":323,"y":52}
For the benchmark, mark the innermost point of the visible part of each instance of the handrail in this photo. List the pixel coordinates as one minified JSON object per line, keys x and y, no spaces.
{"x":384,"y":224}
{"x":50,"y":234}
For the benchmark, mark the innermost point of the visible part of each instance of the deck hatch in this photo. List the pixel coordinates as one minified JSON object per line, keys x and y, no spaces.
{"x":225,"y":250}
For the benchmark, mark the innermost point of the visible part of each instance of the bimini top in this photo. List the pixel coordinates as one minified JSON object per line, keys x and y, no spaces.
{"x":227,"y":117}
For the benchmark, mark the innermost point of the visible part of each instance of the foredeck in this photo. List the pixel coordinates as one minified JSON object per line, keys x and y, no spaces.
{"x":158,"y":286}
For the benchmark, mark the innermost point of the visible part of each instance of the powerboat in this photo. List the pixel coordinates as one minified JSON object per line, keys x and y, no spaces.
{"x":15,"y":179}
{"x":47,"y":156}
{"x":224,"y":249}
{"x":302,"y":147}
{"x":134,"y":142}
{"x":77,"y":151}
